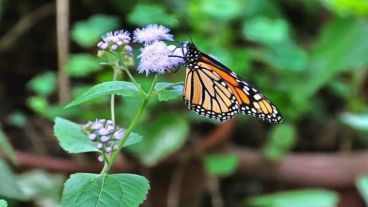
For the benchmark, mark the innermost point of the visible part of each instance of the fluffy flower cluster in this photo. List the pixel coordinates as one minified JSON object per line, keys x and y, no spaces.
{"x":105,"y":134}
{"x":115,"y":40}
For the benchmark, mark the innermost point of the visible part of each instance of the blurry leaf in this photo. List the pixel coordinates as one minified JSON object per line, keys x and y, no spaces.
{"x":362,"y":185}
{"x":281,"y":140}
{"x":80,"y":65}
{"x":222,"y":10}
{"x":144,"y":14}
{"x":122,"y":88}
{"x":334,"y":54}
{"x":296,"y":198}
{"x":6,"y":147}
{"x":266,"y":31}
{"x":41,"y":186}
{"x":18,"y":119}
{"x":167,"y":91}
{"x":348,"y":7}
{"x":87,"y":33}
{"x":73,"y":140}
{"x":8,"y":185}
{"x":255,"y":8}
{"x":355,"y":121}
{"x":43,"y":84}
{"x":221,"y":165}
{"x":101,"y":190}
{"x":164,"y":136}
{"x":3,"y":203}
{"x":38,"y":104}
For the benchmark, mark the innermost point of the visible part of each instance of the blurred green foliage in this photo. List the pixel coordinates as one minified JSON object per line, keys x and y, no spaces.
{"x":3,"y":203}
{"x":221,"y":165}
{"x":362,"y":185}
{"x":6,"y":147}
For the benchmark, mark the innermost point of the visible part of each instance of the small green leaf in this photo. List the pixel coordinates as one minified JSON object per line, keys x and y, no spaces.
{"x":8,"y":185}
{"x":221,"y":165}
{"x":362,"y":185}
{"x":6,"y":147}
{"x":80,"y":65}
{"x":3,"y":203}
{"x":164,"y":136}
{"x":281,"y":140}
{"x":355,"y":121}
{"x":73,"y":140}
{"x":297,"y":198}
{"x":43,"y":84}
{"x":122,"y":88}
{"x":144,"y":14}
{"x":102,"y":190}
{"x":87,"y":33}
{"x":167,"y":91}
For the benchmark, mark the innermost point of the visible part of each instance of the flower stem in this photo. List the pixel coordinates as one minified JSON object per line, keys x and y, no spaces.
{"x":134,"y":122}
{"x":136,"y":83}
{"x":112,"y":101}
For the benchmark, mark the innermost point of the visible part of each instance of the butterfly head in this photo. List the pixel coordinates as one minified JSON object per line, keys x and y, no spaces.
{"x":192,"y":54}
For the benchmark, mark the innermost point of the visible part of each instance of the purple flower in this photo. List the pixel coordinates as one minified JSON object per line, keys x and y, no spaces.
{"x":103,"y":132}
{"x":152,"y":33}
{"x":100,"y":146}
{"x":156,"y":58}
{"x":100,"y":158}
{"x":113,"y":40}
{"x":119,"y":134}
{"x":105,"y":138}
{"x":92,"y":137}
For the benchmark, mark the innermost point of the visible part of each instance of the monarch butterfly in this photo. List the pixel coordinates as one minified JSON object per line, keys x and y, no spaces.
{"x":213,"y":90}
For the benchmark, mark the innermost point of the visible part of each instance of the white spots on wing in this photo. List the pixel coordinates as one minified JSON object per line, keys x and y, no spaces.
{"x":257,"y":96}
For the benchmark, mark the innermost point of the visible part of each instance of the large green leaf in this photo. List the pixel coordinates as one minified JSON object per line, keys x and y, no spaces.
{"x":333,"y":54}
{"x":6,"y":147}
{"x":8,"y":185}
{"x":362,"y":185}
{"x":80,"y":65}
{"x":87,"y":33}
{"x":73,"y":140}
{"x":167,"y":91}
{"x":163,"y":136}
{"x":297,"y":198}
{"x":122,"y":88}
{"x":3,"y":203}
{"x":221,"y":165}
{"x":104,"y":190}
{"x":144,"y":14}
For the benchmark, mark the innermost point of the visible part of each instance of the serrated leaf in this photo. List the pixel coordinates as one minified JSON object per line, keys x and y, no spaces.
{"x":362,"y":185}
{"x":80,"y":65}
{"x":297,"y":198}
{"x":105,"y":190}
{"x":3,"y":203}
{"x":167,"y":91}
{"x":6,"y":147}
{"x":43,"y":84}
{"x":73,"y":140}
{"x":221,"y":165}
{"x":122,"y":88}
{"x":164,"y":136}
{"x":144,"y":14}
{"x":86,"y":33}
{"x":8,"y":185}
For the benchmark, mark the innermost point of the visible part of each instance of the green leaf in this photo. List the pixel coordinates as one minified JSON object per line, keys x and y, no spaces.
{"x":73,"y":140}
{"x":297,"y":198}
{"x":164,"y":136}
{"x":80,"y":65}
{"x":144,"y":14}
{"x":221,"y":165}
{"x":43,"y":84}
{"x":122,"y":88}
{"x":362,"y":185}
{"x":231,"y":9}
{"x":281,"y":140}
{"x":6,"y":147}
{"x":355,"y":121}
{"x":3,"y":203}
{"x":167,"y":91}
{"x":102,"y":190}
{"x":348,"y":7}
{"x":41,"y":186}
{"x":8,"y":185}
{"x":87,"y":33}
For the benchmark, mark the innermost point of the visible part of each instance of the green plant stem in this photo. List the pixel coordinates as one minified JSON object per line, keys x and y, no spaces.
{"x":112,"y":101}
{"x":135,"y":82}
{"x":132,"y":125}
